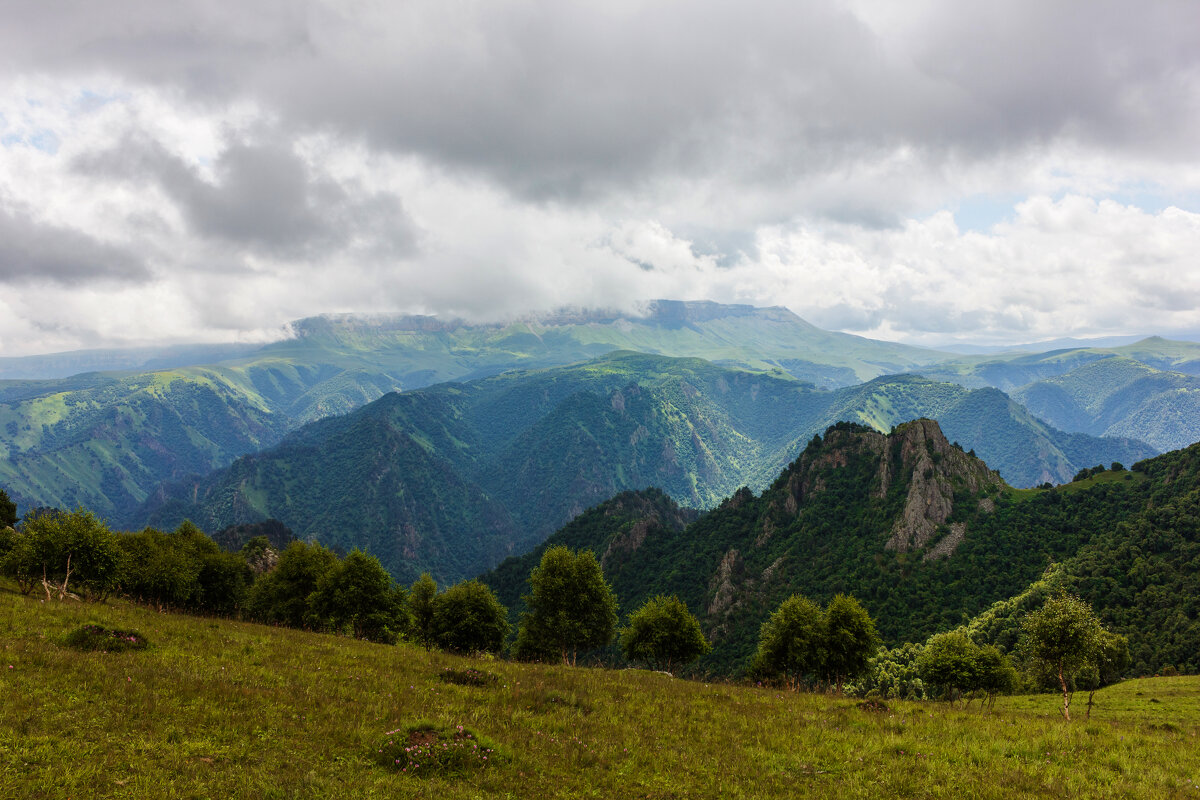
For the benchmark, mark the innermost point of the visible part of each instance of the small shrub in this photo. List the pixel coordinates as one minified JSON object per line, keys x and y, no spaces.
{"x":427,"y":749}
{"x":96,"y":637}
{"x":467,"y":677}
{"x":875,"y":706}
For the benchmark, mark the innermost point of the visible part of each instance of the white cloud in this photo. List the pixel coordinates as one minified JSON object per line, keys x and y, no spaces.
{"x":200,"y":171}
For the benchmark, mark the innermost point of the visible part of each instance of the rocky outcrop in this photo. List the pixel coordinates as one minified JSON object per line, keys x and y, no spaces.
{"x":915,"y":457}
{"x":937,"y":470}
{"x":722,"y":585}
{"x":629,"y":540}
{"x":805,"y":475}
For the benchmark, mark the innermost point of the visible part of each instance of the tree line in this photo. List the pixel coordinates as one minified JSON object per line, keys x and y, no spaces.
{"x":571,"y":609}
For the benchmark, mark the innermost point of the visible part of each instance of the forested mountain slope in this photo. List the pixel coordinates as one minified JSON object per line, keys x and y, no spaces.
{"x":453,"y":478}
{"x":1117,"y":397}
{"x":1148,"y":390}
{"x":1140,"y":568}
{"x":925,"y":535}
{"x":106,"y":440}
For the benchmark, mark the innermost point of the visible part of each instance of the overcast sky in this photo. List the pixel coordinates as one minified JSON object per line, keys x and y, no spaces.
{"x":920,"y":171}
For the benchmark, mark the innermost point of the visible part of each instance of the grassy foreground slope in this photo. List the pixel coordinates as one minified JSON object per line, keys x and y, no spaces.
{"x":224,"y":709}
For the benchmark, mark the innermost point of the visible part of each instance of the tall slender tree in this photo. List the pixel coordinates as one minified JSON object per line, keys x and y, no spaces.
{"x":1062,"y":637}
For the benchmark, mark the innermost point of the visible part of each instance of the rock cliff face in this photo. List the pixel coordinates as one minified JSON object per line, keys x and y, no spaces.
{"x":915,"y":459}
{"x":936,"y":469}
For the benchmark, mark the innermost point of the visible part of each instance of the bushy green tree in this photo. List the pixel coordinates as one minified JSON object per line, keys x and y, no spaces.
{"x":468,"y":618}
{"x":158,"y":571}
{"x":8,"y":511}
{"x":184,"y":569}
{"x":571,"y":607}
{"x":950,"y":661}
{"x":790,"y":642}
{"x":664,"y":634}
{"x":359,"y":594}
{"x":1061,"y":638}
{"x":996,"y":673}
{"x":848,"y":640}
{"x":894,"y":673}
{"x":283,"y":595}
{"x":65,"y":550}
{"x":19,"y":559}
{"x":421,"y":597}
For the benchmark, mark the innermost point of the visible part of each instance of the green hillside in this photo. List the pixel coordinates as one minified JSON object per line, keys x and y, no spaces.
{"x":1117,"y":396}
{"x":108,"y":440}
{"x":1011,"y":371}
{"x":1148,"y":391}
{"x":1139,"y":567}
{"x":453,"y":478}
{"x":218,"y":708}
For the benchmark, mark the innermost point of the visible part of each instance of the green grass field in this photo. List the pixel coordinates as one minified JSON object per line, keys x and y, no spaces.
{"x":220,"y":709}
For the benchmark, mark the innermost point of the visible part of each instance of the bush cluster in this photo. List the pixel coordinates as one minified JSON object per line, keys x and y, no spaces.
{"x":92,"y":638}
{"x":427,"y":749}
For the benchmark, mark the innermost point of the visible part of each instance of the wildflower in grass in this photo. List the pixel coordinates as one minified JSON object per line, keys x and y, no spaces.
{"x":446,"y":750}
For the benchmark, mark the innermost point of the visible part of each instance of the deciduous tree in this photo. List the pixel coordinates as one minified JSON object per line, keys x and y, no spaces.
{"x":421,"y":597}
{"x":359,"y":594}
{"x":790,"y":642}
{"x":848,"y":640}
{"x":468,"y":618}
{"x":571,"y":607}
{"x":1062,"y":637}
{"x":664,"y":634}
{"x":8,"y":511}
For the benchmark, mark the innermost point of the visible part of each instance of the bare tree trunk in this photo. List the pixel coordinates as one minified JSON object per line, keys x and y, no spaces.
{"x":1066,"y":695}
{"x":1091,"y":694}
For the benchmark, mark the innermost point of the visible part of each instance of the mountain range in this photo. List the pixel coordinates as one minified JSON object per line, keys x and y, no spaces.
{"x":451,"y":478}
{"x":456,"y":444}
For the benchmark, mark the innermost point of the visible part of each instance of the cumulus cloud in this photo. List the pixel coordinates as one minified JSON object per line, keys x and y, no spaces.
{"x":486,"y":159}
{"x":263,"y":197}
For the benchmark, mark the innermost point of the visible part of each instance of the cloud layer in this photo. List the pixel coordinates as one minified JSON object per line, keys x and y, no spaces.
{"x":928,"y":171}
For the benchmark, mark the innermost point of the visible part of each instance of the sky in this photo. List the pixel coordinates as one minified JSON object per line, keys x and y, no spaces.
{"x":927,"y":171}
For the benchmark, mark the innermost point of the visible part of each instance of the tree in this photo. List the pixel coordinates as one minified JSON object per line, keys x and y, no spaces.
{"x":996,"y":673}
{"x":283,"y":595}
{"x":663,"y":633}
{"x":421,"y":597}
{"x":894,"y":673}
{"x":571,"y":607}
{"x":1062,"y":637}
{"x":951,"y":662}
{"x":1106,"y":667}
{"x":55,"y":548}
{"x":848,"y":640}
{"x":790,"y":642}
{"x":8,"y":511}
{"x":468,"y":618}
{"x":158,"y":571}
{"x":359,"y":593}
{"x":222,"y":578}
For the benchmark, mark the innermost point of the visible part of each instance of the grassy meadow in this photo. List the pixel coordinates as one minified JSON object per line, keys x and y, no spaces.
{"x":222,"y":709}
